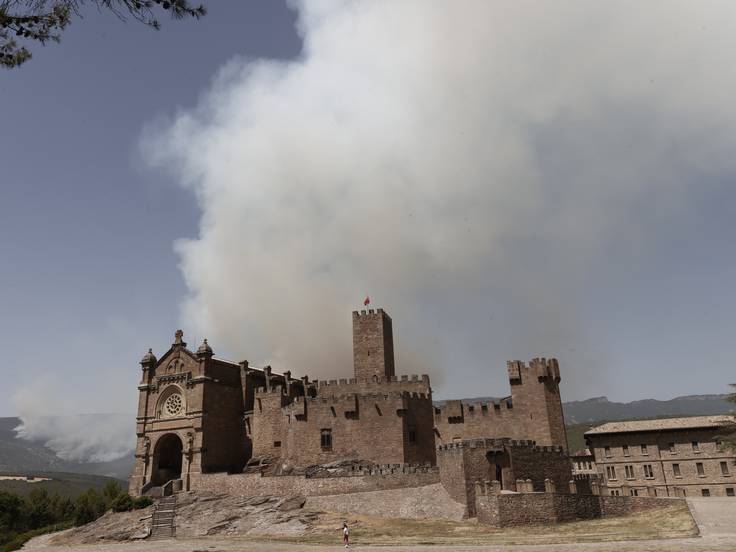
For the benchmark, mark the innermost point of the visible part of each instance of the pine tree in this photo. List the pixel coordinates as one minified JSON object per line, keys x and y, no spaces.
{"x":43,"y":20}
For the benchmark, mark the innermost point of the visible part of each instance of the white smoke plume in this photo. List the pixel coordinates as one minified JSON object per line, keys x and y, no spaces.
{"x":467,"y":164}
{"x":54,"y":421}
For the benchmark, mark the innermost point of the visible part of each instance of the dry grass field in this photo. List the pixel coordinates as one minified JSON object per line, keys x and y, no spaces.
{"x":666,"y":523}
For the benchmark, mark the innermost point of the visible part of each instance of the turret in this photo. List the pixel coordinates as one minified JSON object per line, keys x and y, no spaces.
{"x":535,"y":393}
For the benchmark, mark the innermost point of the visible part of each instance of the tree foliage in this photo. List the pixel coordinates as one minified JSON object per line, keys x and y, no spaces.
{"x":40,"y":21}
{"x":22,"y":518}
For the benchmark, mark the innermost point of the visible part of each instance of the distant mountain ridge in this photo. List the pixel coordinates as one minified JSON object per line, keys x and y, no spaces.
{"x":600,"y":408}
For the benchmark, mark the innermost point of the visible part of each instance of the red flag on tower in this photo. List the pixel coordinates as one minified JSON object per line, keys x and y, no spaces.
{"x":367,"y":301}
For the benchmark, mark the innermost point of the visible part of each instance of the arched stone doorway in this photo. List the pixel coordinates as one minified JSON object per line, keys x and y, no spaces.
{"x":167,"y":459}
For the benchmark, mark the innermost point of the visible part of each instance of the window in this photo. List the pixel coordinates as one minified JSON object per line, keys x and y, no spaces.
{"x":696,"y":446}
{"x":648,"y":472}
{"x":672,"y":448}
{"x":655,"y":492}
{"x":607,"y":451}
{"x":729,"y":491}
{"x":705,"y":492}
{"x":611,"y":472}
{"x":634,"y":492}
{"x":615,"y":492}
{"x":724,"y":468}
{"x":629,"y":472}
{"x":276,"y":444}
{"x":701,"y":470}
{"x":626,"y":450}
{"x":412,"y":435}
{"x":719,"y":445}
{"x":676,"y":470}
{"x":590,"y":466}
{"x":644,"y":449}
{"x":326,"y":439}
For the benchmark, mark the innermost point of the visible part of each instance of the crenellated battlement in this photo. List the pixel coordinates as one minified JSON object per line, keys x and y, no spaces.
{"x":500,"y":443}
{"x":459,"y":409}
{"x":370,"y":312}
{"x":376,"y":380}
{"x":337,"y":398}
{"x":391,"y":469}
{"x":539,"y":368}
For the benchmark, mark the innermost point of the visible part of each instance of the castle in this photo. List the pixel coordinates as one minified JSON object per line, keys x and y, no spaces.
{"x":200,"y":415}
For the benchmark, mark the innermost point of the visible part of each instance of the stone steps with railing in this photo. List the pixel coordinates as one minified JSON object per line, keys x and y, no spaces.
{"x":162,"y":524}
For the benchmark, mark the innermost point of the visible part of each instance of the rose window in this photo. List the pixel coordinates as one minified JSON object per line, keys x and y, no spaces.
{"x":173,"y":406}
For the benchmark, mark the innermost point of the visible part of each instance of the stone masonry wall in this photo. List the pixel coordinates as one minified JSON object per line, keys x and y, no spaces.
{"x":223,"y":438}
{"x":540,"y":463}
{"x":287,"y":485}
{"x":506,"y":510}
{"x":477,"y":460}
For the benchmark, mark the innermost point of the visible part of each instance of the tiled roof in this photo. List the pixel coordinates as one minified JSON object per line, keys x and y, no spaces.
{"x":663,"y":424}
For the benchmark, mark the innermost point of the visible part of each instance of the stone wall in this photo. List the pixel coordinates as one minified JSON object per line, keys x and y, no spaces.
{"x":539,"y":464}
{"x":506,"y":510}
{"x":289,"y":485}
{"x":464,"y":463}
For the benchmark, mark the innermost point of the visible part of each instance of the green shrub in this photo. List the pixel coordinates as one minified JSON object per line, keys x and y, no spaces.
{"x":122,"y":503}
{"x":88,"y":507}
{"x":142,"y":502}
{"x":111,"y":492}
{"x":18,"y":540}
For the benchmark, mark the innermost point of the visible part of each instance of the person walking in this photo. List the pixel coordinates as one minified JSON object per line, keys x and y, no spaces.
{"x":345,"y":534}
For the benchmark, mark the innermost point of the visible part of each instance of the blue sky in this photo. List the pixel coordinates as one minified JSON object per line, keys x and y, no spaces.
{"x":88,"y":272}
{"x":598,"y":228}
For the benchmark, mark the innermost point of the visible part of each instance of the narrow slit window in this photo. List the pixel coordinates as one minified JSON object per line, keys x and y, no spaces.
{"x":326,"y":439}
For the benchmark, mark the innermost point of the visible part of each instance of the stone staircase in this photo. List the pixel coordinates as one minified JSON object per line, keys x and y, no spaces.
{"x":162,"y":525}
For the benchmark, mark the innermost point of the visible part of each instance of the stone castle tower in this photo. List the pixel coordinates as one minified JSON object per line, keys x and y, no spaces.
{"x":200,"y":415}
{"x":373,"y":345}
{"x":533,"y":411}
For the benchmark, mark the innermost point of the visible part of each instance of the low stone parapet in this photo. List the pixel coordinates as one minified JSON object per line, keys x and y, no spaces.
{"x":254,"y":484}
{"x":507,"y":510}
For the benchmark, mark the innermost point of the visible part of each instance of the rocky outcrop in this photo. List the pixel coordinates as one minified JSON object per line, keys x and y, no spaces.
{"x":201,"y":514}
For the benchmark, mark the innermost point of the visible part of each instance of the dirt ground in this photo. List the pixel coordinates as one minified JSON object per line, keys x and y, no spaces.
{"x":673,"y":528}
{"x":666,"y":530}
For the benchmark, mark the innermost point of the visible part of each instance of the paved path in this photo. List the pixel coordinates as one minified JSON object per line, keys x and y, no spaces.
{"x":714,"y":516}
